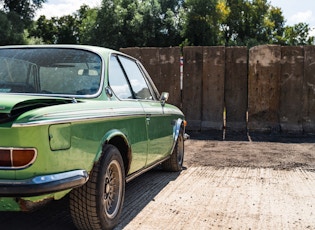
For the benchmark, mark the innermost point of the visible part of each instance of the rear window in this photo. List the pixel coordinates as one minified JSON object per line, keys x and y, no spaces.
{"x":49,"y":71}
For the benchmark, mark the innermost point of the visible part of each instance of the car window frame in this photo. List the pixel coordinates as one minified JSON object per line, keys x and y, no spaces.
{"x":149,"y":81}
{"x":125,"y":75}
{"x":152,"y":89}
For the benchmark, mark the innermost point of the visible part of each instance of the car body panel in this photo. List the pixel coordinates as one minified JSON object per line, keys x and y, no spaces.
{"x":68,"y":129}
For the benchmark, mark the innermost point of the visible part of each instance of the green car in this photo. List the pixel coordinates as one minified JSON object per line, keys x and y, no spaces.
{"x":83,"y":121}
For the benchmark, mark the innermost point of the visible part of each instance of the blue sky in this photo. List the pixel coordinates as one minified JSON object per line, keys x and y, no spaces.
{"x":294,"y":11}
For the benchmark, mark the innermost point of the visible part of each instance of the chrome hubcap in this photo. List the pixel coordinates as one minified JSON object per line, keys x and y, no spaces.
{"x":112,"y":189}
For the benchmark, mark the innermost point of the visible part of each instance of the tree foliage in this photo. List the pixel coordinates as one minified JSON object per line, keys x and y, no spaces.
{"x":7,"y":32}
{"x":201,"y":26}
{"x":122,"y":23}
{"x":297,"y":35}
{"x":25,"y":9}
{"x":160,"y":23}
{"x":69,"y":29}
{"x":15,"y":17}
{"x":251,"y":23}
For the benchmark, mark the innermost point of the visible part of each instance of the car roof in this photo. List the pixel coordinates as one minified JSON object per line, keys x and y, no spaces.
{"x":96,"y":49}
{"x":101,"y":51}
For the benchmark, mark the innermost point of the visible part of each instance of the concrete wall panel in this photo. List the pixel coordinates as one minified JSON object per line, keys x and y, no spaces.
{"x":275,"y":85}
{"x":292,"y":71}
{"x":192,"y":90}
{"x":169,"y":62}
{"x":236,"y":88}
{"x":213,"y":88}
{"x":309,"y":90}
{"x":264,"y":88}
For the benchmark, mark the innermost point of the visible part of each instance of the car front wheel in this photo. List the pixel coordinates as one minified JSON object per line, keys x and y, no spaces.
{"x":175,"y":162}
{"x":98,"y":204}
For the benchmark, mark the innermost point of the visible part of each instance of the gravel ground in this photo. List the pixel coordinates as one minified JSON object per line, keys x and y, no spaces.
{"x":235,"y":181}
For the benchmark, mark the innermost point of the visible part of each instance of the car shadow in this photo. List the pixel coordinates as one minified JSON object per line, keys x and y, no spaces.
{"x":141,"y":191}
{"x":56,"y":215}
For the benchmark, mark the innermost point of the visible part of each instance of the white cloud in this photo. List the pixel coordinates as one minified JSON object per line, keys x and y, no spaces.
{"x":306,"y":17}
{"x":55,"y":8}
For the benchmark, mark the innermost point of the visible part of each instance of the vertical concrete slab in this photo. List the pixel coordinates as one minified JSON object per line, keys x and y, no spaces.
{"x":149,"y":57}
{"x":236,"y":88}
{"x":133,"y":52}
{"x":309,"y":90}
{"x":192,"y":88}
{"x":169,"y":81}
{"x":292,"y":71}
{"x":213,"y":88}
{"x":264,"y":88}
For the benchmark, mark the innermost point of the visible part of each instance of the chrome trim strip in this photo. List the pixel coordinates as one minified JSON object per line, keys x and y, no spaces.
{"x":45,"y":184}
{"x":58,"y":176}
{"x":77,"y":119}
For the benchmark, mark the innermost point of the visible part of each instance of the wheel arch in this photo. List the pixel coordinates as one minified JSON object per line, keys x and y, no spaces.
{"x":179,"y":124}
{"x":120,"y":141}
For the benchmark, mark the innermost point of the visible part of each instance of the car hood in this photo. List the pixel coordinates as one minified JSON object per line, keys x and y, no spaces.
{"x":12,"y":106}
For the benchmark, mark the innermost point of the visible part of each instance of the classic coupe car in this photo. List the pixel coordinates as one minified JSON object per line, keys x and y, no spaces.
{"x":83,"y":121}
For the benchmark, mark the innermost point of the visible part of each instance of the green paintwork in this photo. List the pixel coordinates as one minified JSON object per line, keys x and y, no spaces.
{"x":68,"y":133}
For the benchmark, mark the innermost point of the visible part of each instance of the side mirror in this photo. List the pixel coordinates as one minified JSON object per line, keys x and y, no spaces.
{"x":164,"y":97}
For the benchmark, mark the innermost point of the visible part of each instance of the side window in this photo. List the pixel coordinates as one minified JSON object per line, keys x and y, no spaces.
{"x":117,"y":80}
{"x":137,"y":81}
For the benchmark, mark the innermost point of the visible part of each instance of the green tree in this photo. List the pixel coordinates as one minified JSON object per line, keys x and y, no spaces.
{"x":150,"y":27}
{"x":16,"y":16}
{"x":108,"y":23}
{"x":25,"y":9}
{"x":160,"y":23}
{"x":251,"y":23}
{"x":201,"y":25}
{"x":122,"y":23}
{"x":297,"y":34}
{"x":69,"y":29}
{"x":45,"y":29}
{"x":274,"y":25}
{"x":86,"y":22}
{"x":7,"y":32}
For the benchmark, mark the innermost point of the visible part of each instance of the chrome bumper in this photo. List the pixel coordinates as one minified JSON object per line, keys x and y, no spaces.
{"x":40,"y":185}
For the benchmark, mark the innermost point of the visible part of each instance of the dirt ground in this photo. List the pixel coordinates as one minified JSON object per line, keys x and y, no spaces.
{"x":282,"y":152}
{"x":234,"y":181}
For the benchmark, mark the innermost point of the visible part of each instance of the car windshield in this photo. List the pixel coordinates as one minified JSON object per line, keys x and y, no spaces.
{"x":59,"y":71}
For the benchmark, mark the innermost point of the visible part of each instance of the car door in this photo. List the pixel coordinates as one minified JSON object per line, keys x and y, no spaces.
{"x":132,"y":121}
{"x":158,"y":121}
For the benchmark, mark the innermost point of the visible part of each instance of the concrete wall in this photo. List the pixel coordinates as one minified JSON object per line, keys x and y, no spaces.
{"x":267,"y":88}
{"x":264,"y":88}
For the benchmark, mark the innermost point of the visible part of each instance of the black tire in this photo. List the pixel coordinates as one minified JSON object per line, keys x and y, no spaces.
{"x":98,"y":203}
{"x":175,"y":162}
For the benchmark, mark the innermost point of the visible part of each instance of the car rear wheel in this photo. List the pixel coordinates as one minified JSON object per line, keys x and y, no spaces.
{"x":98,"y":204}
{"x":175,"y":162}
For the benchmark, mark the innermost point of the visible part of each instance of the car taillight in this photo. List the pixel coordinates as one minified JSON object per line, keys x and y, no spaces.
{"x":15,"y":158}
